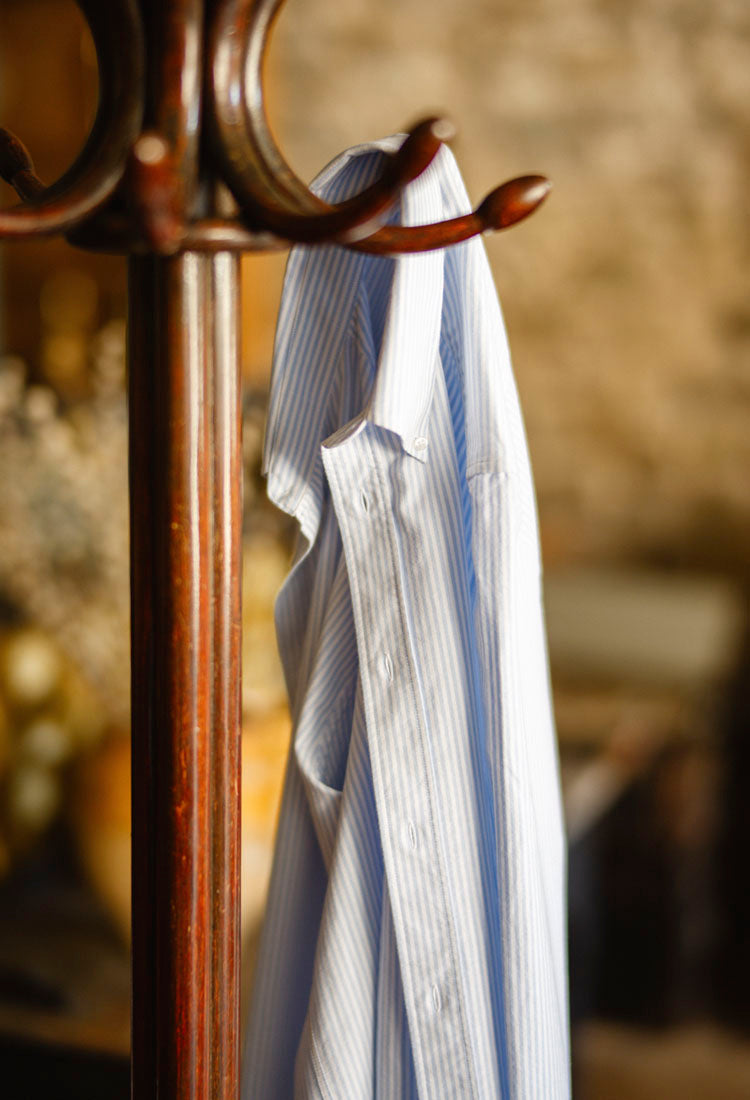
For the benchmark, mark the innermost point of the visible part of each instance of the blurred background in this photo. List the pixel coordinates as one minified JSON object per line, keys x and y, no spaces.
{"x":626,"y":300}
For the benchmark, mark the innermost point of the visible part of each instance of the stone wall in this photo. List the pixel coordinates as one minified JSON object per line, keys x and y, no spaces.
{"x":626,"y":297}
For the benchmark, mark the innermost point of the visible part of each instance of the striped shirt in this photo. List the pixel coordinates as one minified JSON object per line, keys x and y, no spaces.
{"x":414,"y":938}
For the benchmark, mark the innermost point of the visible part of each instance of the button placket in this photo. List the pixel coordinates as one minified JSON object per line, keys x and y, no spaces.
{"x":399,"y":752}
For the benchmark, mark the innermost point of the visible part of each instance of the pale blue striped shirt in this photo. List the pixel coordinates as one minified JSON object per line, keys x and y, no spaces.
{"x":414,"y":939}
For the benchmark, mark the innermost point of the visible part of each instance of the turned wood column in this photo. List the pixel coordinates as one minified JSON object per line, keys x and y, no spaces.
{"x":185,"y":486}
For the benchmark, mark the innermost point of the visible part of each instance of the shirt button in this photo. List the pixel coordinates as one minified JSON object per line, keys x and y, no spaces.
{"x":412,"y":836}
{"x":388,"y":667}
{"x":420,"y":443}
{"x":437,"y":1000}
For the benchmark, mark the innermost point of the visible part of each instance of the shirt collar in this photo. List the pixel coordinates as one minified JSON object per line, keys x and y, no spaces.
{"x":320,"y":292}
{"x":402,"y":393}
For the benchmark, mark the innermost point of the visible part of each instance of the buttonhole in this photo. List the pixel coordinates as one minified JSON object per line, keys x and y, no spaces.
{"x":388,"y":668}
{"x":436,"y":999}
{"x":412,"y":836}
{"x":365,"y":501}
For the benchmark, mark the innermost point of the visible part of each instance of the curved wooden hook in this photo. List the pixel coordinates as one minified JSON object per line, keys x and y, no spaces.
{"x":243,"y":28}
{"x":118,"y":38}
{"x":162,"y":185}
{"x":508,"y":204}
{"x":17,"y":167}
{"x":262,"y":182}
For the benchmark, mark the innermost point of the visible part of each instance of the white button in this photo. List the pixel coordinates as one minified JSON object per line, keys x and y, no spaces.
{"x":388,"y":666}
{"x":420,"y":443}
{"x":437,"y":1000}
{"x":413,"y":836}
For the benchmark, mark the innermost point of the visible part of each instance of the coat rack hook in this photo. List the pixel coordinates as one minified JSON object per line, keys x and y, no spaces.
{"x":272,"y":195}
{"x":17,"y":167}
{"x":118,"y":38}
{"x":268,"y":192}
{"x":507,"y":205}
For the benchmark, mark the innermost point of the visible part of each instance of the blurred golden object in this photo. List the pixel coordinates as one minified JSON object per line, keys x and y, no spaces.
{"x":265,"y":564}
{"x":100,"y":816}
{"x":47,"y":713}
{"x":4,"y":746}
{"x":262,"y":277}
{"x":64,"y":359}
{"x":30,"y":668}
{"x":265,"y":743}
{"x":33,"y":797}
{"x":46,"y":741}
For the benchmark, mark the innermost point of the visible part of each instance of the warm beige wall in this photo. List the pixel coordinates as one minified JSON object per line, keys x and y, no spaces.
{"x":627,"y":296}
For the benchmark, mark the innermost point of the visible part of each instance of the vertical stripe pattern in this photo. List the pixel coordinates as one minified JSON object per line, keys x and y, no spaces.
{"x":413,"y":944}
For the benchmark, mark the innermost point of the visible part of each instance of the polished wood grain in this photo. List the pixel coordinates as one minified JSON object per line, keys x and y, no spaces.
{"x":185,"y":479}
{"x":170,"y":482}
{"x":222,"y":310}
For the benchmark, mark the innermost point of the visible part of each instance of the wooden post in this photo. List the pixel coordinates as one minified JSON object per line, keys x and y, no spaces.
{"x":185,"y":483}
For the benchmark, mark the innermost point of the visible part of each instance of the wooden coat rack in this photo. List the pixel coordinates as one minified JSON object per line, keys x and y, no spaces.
{"x":181,"y":173}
